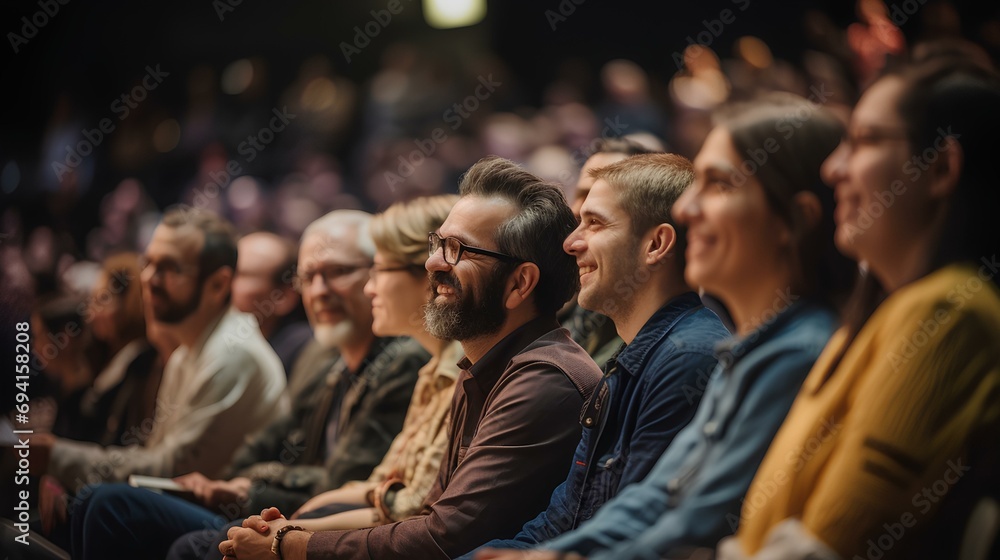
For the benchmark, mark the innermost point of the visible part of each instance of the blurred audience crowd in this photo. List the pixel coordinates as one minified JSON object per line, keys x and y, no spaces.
{"x":238,"y":323}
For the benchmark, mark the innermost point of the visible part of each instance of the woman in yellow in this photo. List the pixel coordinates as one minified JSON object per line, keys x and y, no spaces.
{"x":899,"y":413}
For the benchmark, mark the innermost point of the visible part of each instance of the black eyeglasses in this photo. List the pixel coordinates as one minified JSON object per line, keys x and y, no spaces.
{"x":453,"y":249}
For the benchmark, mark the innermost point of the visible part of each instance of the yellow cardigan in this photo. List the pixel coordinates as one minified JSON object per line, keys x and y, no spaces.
{"x":868,"y":454}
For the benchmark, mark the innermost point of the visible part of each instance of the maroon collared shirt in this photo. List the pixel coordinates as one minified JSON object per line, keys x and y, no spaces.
{"x":514,"y":427}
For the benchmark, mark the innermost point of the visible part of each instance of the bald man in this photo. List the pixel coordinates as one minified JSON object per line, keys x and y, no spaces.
{"x":263,"y":286}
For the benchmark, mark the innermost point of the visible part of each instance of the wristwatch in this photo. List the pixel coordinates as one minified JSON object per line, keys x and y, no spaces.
{"x":276,"y":543}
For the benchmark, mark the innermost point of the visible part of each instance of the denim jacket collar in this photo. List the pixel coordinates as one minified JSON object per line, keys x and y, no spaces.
{"x":633,"y":357}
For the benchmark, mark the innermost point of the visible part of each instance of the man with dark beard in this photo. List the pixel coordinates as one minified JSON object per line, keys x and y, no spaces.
{"x":343,"y":420}
{"x":498,"y":276}
{"x":223,"y":382}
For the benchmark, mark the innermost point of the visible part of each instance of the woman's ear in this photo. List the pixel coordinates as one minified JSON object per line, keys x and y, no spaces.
{"x":809,"y":209}
{"x":946,"y":169}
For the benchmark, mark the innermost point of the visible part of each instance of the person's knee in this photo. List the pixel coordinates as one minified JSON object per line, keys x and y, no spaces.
{"x":83,"y":501}
{"x":108,"y":505}
{"x":191,"y":546}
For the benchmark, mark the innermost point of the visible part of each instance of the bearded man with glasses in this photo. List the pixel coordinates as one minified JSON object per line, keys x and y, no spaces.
{"x":498,"y":275}
{"x":350,"y":393}
{"x":213,"y":393}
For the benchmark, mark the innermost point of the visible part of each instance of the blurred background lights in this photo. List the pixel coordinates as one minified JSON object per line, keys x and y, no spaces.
{"x":319,"y":94}
{"x":166,"y":135}
{"x":754,"y":52}
{"x":244,"y":193}
{"x":236,"y":78}
{"x":447,"y":14}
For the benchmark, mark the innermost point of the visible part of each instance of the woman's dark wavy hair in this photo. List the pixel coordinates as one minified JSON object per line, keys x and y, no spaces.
{"x":799,"y":135}
{"x":961,"y":98}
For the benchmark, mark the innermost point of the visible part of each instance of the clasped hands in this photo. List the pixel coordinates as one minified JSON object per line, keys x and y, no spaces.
{"x":253,"y":540}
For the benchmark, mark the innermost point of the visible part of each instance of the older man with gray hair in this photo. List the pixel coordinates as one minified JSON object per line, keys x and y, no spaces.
{"x":344,"y":419}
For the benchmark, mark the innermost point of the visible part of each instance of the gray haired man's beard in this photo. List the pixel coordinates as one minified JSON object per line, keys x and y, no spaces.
{"x":332,"y":336}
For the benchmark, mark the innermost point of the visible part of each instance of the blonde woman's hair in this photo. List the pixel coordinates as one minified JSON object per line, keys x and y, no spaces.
{"x":401,"y":231}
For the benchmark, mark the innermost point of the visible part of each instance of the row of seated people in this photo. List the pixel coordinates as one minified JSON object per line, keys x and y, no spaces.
{"x":103,"y":366}
{"x":806,"y":433}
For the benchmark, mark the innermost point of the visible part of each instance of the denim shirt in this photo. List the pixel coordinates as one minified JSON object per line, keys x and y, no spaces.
{"x":648,"y":394}
{"x":693,"y":495}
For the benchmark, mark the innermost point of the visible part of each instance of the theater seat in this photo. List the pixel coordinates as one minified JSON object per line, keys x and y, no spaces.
{"x":39,"y":548}
{"x":981,"y":531}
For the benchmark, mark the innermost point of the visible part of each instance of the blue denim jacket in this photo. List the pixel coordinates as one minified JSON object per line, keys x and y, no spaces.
{"x":649,"y":392}
{"x":693,"y":495}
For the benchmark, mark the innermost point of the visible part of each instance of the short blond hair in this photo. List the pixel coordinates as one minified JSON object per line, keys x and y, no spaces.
{"x":401,"y":231}
{"x":647,"y":185}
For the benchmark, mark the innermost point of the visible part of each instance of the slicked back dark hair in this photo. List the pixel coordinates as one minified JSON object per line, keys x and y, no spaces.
{"x":536,"y":232}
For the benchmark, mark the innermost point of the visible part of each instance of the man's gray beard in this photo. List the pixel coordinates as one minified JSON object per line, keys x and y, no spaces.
{"x":333,"y":336}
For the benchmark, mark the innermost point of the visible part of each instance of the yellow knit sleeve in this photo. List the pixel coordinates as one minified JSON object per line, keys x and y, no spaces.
{"x":929,"y":389}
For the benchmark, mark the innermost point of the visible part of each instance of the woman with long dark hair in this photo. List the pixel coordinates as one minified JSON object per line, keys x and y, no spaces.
{"x":894,"y":432}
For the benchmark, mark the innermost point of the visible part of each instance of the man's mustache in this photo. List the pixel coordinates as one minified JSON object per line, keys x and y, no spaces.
{"x":439,"y":278}
{"x":159,"y":292}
